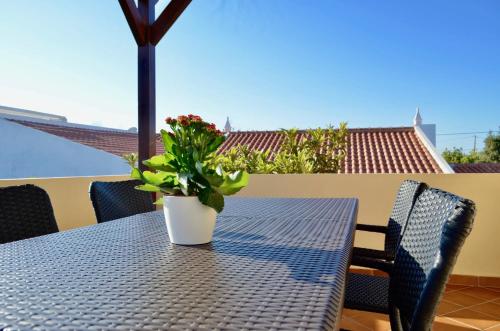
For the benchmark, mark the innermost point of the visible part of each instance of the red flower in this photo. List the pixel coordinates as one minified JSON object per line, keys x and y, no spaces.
{"x":169,"y":120}
{"x":211,"y":127}
{"x":183,"y":120}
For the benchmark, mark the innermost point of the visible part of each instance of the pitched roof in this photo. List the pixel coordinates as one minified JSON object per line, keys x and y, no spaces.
{"x":118,"y":142}
{"x":476,"y":167}
{"x":372,"y":150}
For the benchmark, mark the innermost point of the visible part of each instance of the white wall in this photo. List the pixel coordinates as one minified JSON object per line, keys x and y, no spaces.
{"x":27,"y":153}
{"x":430,"y":132}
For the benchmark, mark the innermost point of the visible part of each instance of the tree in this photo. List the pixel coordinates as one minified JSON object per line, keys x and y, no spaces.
{"x":455,"y":155}
{"x":491,"y":151}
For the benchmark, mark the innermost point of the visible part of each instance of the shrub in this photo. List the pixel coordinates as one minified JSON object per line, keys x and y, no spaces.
{"x":318,"y":151}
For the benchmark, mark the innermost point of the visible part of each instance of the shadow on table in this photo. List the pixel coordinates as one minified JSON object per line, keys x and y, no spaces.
{"x":238,"y":236}
{"x":314,"y":265}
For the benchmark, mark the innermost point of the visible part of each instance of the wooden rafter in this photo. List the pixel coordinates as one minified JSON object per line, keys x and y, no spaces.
{"x":134,"y":20}
{"x":152,"y":33}
{"x":166,"y":19}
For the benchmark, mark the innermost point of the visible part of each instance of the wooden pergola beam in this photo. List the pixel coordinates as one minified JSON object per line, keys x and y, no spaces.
{"x":134,"y":20}
{"x":147,"y":33}
{"x":166,"y":19}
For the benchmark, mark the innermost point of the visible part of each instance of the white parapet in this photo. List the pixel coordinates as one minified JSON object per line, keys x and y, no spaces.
{"x":445,"y":167}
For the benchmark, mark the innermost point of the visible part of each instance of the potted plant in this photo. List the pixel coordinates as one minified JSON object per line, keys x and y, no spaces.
{"x":193,"y":186}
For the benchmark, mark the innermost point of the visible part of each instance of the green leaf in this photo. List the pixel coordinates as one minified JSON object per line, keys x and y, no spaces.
{"x":169,"y":190}
{"x":196,"y":155}
{"x":212,"y":147}
{"x":219,"y":171}
{"x":234,"y":182}
{"x":154,"y":178}
{"x":148,"y":188}
{"x":199,"y":167}
{"x":183,"y":178}
{"x":168,"y":141}
{"x":212,"y":199}
{"x":158,"y":201}
{"x":159,"y":162}
{"x":213,"y":178}
{"x":176,"y":152}
{"x":136,"y":174}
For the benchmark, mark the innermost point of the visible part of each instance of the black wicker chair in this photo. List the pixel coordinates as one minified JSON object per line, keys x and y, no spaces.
{"x":25,"y":212}
{"x":405,"y":199}
{"x":436,"y":231}
{"x":113,"y":200}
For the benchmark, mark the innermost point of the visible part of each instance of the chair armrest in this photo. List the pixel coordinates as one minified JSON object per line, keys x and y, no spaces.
{"x":372,"y":263}
{"x":370,"y":253}
{"x":372,"y":228}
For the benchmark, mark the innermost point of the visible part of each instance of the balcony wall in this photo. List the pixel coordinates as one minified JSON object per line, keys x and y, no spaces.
{"x":480,"y":255}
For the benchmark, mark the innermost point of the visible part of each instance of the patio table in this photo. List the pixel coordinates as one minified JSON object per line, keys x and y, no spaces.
{"x":273,"y":264}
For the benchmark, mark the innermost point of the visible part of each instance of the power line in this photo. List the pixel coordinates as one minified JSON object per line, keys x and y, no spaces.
{"x":453,"y":138}
{"x":462,"y":133}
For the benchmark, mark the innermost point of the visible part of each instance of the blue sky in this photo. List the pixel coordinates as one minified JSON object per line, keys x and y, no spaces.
{"x":267,"y":64}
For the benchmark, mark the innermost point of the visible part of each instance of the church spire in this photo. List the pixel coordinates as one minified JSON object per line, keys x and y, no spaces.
{"x":417,"y":120}
{"x":227,"y":127}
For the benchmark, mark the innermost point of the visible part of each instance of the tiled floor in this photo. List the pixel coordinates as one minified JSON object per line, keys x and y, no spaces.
{"x":462,"y":308}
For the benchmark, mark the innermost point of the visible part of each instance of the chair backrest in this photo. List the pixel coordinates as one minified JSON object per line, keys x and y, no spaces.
{"x":436,"y":231}
{"x":25,"y":212}
{"x":113,"y":200}
{"x":405,"y":199}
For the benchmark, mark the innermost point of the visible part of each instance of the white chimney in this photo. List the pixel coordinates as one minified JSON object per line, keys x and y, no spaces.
{"x":428,"y":129}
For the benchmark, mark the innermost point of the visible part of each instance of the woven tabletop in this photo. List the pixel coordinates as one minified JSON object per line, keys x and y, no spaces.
{"x":273,"y":264}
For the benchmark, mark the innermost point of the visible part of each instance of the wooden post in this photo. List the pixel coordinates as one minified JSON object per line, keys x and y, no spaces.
{"x":147,"y":33}
{"x":146,"y":87}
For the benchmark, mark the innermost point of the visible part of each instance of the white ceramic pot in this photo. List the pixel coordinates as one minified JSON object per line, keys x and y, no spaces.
{"x":189,"y":222}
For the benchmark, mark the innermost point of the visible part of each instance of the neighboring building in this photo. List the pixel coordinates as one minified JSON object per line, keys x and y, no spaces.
{"x":28,"y":152}
{"x":43,"y":145}
{"x":484,"y":167}
{"x":370,"y":150}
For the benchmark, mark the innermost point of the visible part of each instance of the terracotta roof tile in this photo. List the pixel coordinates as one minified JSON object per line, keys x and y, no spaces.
{"x":118,"y":142}
{"x":371,"y":150}
{"x":476,"y":167}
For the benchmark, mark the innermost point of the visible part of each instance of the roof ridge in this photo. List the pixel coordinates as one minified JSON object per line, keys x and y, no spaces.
{"x":395,"y":128}
{"x":21,"y":119}
{"x":25,"y":112}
